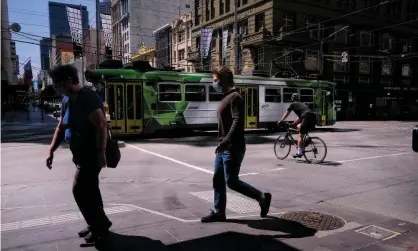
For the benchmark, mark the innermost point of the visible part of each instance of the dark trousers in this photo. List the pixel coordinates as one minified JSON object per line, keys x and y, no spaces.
{"x":87,"y":195}
{"x":227,"y":167}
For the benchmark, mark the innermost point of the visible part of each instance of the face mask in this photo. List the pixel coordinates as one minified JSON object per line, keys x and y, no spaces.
{"x":217,"y":86}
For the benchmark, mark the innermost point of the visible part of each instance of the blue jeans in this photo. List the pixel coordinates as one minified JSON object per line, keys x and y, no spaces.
{"x":227,"y":167}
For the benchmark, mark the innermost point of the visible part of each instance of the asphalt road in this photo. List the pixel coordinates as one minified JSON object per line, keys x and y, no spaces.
{"x":163,"y":186}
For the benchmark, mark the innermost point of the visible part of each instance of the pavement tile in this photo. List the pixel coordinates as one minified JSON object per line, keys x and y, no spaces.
{"x":348,"y":240}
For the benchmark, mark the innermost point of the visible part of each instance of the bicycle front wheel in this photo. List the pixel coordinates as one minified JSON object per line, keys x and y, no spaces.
{"x":282,"y":147}
{"x":315,"y":150}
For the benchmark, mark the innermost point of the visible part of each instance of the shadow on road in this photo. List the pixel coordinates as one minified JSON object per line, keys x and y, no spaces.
{"x":324,"y":163}
{"x":228,"y":241}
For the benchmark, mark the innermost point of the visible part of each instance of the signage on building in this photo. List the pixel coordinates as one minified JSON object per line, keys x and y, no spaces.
{"x":205,"y":41}
{"x":224,"y":42}
{"x":74,"y":20}
{"x":67,"y":57}
{"x":107,"y":29}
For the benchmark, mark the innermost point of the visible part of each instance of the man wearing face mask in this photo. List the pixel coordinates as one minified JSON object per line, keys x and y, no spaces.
{"x":231,"y":149}
{"x":84,"y":125}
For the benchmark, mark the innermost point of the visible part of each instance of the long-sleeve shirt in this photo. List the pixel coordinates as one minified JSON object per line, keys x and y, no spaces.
{"x":231,"y":121}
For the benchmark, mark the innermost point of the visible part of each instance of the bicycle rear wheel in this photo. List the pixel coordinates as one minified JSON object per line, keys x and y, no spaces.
{"x":282,"y":147}
{"x":317,"y":148}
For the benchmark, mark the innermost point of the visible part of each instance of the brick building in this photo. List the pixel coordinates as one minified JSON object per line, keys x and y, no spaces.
{"x":290,"y":38}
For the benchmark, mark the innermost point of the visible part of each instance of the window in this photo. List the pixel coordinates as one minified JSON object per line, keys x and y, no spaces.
{"x":407,"y":46}
{"x":341,"y":79}
{"x":181,"y":36}
{"x":260,"y":57}
{"x":196,"y":93}
{"x":311,"y":61}
{"x":182,"y":54}
{"x":221,"y":7}
{"x":212,"y":9}
{"x":343,"y":4}
{"x":364,"y":80}
{"x":406,"y":70}
{"x":387,"y":42}
{"x":214,"y":96}
{"x":366,"y":39}
{"x":288,"y":20}
{"x":338,"y":65}
{"x":365,"y":65}
{"x":273,"y":95}
{"x":386,"y":67}
{"x":244,"y":2}
{"x":306,"y":95}
{"x":341,"y":36}
{"x":228,"y":6}
{"x":197,"y":42}
{"x":313,"y":27}
{"x":287,"y":94}
{"x":169,"y":92}
{"x":259,"y":22}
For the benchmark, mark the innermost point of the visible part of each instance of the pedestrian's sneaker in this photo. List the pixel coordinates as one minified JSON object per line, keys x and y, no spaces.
{"x":84,"y":232}
{"x":214,"y":217}
{"x":297,"y":155}
{"x":265,"y":205}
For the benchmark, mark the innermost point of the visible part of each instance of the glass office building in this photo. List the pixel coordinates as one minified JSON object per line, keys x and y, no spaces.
{"x":58,"y":19}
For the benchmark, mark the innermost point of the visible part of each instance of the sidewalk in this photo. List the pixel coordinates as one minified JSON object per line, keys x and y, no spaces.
{"x":22,"y":125}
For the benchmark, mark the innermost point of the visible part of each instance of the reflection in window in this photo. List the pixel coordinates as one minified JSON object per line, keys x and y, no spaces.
{"x":214,"y":95}
{"x":111,"y":101}
{"x":195,"y":93}
{"x":273,"y":95}
{"x":169,"y":92}
{"x":130,"y":101}
{"x":306,"y":95}
{"x":138,"y":101}
{"x":287,"y":94}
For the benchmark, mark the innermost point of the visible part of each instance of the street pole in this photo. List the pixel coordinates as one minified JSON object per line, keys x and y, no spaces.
{"x":236,"y":36}
{"x":98,"y":47}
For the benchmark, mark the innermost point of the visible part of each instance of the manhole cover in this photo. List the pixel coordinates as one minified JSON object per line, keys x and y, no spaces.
{"x":315,"y":220}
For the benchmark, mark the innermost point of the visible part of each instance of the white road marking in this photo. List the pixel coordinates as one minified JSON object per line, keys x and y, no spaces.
{"x":235,"y":203}
{"x":59,"y":219}
{"x":171,"y":159}
{"x":374,"y":157}
{"x":272,"y":170}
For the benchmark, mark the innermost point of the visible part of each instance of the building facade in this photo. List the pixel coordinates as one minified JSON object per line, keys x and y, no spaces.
{"x":58,"y":19}
{"x":146,"y":53}
{"x":138,"y":20}
{"x":90,"y":49}
{"x":6,"y":63}
{"x":45,"y":46}
{"x":105,"y":7}
{"x":62,"y":51}
{"x":116,"y":31}
{"x":163,"y":46}
{"x":370,"y":55}
{"x":182,"y":42}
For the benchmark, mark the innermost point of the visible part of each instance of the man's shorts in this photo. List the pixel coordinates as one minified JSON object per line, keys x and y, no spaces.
{"x":308,"y":123}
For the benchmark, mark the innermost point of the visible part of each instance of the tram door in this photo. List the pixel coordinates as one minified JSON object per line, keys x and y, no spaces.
{"x":125,"y":107}
{"x":250,"y":95}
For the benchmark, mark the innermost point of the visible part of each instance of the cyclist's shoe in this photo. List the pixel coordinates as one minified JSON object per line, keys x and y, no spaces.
{"x":298,"y":155}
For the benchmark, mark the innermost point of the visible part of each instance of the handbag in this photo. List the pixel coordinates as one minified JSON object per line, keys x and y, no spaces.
{"x":112,"y":150}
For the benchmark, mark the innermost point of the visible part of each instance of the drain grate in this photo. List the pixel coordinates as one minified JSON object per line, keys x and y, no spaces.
{"x":377,"y":232}
{"x":315,"y":220}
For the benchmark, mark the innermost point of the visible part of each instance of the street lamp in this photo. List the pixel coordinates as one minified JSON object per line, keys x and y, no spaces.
{"x":321,"y":66}
{"x":15,"y":27}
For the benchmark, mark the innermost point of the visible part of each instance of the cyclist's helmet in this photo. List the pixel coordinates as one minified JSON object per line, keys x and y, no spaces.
{"x":295,"y":97}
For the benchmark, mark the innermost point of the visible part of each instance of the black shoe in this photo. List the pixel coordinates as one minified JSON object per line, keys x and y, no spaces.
{"x":298,"y":155}
{"x":214,"y":217}
{"x":265,"y":205}
{"x":84,"y":232}
{"x":94,"y":238}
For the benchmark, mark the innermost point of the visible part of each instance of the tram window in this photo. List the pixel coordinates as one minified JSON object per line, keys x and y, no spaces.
{"x":195,"y":93}
{"x":130,"y":101}
{"x":138,"y":102}
{"x":287,"y":94}
{"x":214,"y":95}
{"x":111,"y":101}
{"x":273,"y":95}
{"x":306,"y":95}
{"x":169,"y":92}
{"x":120,"y":112}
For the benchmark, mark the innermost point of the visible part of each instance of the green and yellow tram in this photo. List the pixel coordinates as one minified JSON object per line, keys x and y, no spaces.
{"x":143,"y":100}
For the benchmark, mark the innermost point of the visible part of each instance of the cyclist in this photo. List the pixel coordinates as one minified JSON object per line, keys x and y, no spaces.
{"x":306,"y":120}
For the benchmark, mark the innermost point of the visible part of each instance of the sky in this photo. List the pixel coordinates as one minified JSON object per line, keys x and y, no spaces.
{"x":34,"y":19}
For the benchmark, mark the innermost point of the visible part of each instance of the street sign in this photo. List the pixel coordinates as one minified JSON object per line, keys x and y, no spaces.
{"x":344,"y":57}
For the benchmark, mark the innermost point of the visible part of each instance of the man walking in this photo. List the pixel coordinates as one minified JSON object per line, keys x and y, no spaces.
{"x":231,"y":149}
{"x":83,"y":123}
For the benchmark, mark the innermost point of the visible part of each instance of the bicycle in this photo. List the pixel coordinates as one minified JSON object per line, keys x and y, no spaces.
{"x":310,"y":146}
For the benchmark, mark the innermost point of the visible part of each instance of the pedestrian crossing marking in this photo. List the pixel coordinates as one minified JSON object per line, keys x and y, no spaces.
{"x":234,"y":203}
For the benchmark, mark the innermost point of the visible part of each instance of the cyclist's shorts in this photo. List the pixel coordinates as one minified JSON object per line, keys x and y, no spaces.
{"x":308,"y":123}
